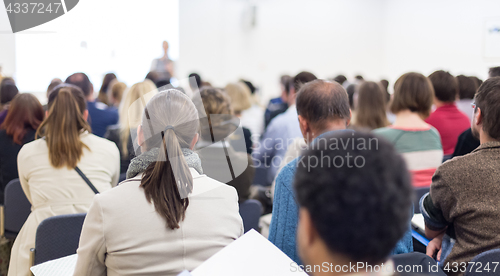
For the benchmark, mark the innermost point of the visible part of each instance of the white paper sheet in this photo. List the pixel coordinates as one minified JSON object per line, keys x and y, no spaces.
{"x":250,"y":255}
{"x":60,"y":267}
{"x":418,"y":221}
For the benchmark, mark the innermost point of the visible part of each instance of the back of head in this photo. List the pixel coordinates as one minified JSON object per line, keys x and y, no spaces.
{"x":488,"y":100}
{"x":321,"y":101}
{"x":494,"y":72}
{"x":82,"y":81}
{"x":106,"y":81}
{"x":162,"y":82}
{"x":63,"y":125}
{"x":360,"y":207}
{"x":8,"y":90}
{"x":467,"y":87}
{"x":217,"y":106}
{"x":445,"y":86}
{"x":152,"y":76}
{"x":52,"y":85}
{"x":414,"y":92}
{"x":116,"y":90}
{"x":250,"y":86}
{"x":130,"y":117}
{"x":25,"y":112}
{"x":169,"y":125}
{"x":370,"y":106}
{"x":301,"y":79}
{"x":385,"y":86}
{"x":340,"y":79}
{"x":240,"y":96}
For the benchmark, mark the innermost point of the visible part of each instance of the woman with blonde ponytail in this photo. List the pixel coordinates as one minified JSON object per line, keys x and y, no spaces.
{"x":167,"y":216}
{"x":48,"y":168}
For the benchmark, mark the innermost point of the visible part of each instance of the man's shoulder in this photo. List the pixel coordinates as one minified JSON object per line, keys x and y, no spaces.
{"x":287,"y":173}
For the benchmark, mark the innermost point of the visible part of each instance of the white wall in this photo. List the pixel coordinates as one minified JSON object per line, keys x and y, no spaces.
{"x":375,"y":38}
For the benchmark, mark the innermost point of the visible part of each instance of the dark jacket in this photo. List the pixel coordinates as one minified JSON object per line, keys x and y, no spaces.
{"x":113,"y":134}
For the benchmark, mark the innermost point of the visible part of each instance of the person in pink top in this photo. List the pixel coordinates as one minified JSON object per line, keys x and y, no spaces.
{"x":447,"y":118}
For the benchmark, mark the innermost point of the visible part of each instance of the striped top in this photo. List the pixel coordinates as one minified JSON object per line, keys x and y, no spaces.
{"x":421,"y":149}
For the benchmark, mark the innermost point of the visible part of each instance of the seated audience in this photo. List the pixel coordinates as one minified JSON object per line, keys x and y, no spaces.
{"x":239,"y":95}
{"x":214,"y":149}
{"x":278,"y":105}
{"x":25,"y":115}
{"x":323,"y":107}
{"x":8,"y":90}
{"x":48,"y":168}
{"x":447,"y":118}
{"x":253,"y":117}
{"x":103,"y":96}
{"x":467,"y":87}
{"x":417,"y":141}
{"x":130,"y":118}
{"x":55,"y":82}
{"x":464,"y":195}
{"x":353,"y":216}
{"x":100,"y":116}
{"x":280,"y":133}
{"x":466,"y":143}
{"x":115,"y":93}
{"x":167,"y":216}
{"x":370,"y":103}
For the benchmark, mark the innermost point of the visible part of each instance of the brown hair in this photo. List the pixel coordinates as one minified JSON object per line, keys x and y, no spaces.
{"x":103,"y":96}
{"x":116,"y":90}
{"x":214,"y":102}
{"x":414,"y":92}
{"x":467,"y":87}
{"x":25,"y":112}
{"x":488,"y":100}
{"x":370,"y":106}
{"x":168,"y":181}
{"x":301,"y":79}
{"x":63,"y":126}
{"x":445,"y":86}
{"x":320,"y":101}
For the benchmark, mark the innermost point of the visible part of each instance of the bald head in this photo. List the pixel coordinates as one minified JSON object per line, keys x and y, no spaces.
{"x":321,"y":102}
{"x":82,"y":81}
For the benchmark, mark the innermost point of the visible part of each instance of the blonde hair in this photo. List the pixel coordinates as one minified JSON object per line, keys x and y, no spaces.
{"x":116,"y":90}
{"x":240,"y":96}
{"x":130,"y":118}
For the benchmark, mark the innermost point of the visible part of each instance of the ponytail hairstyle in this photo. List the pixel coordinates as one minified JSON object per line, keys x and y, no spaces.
{"x":63,"y":125}
{"x":170,"y":122}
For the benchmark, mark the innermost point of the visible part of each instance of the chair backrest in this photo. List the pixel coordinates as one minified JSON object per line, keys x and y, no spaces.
{"x":57,"y":237}
{"x":484,"y":264}
{"x":16,"y":208}
{"x":250,"y":212}
{"x":419,"y":192}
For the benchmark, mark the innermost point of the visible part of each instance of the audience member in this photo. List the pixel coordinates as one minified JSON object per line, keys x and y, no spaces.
{"x":196,"y":85}
{"x":494,"y":72}
{"x":53,"y":83}
{"x":163,"y":66}
{"x":464,"y":195}
{"x":323,"y":108}
{"x":175,"y":217}
{"x":239,"y":96}
{"x":130,"y":119}
{"x":370,"y":102}
{"x":466,"y":143}
{"x":280,"y":133}
{"x":341,"y":79}
{"x":152,"y":76}
{"x":214,"y":149}
{"x":278,"y":105}
{"x":417,"y":141}
{"x":48,"y":168}
{"x":8,"y":90}
{"x":253,"y":117}
{"x":385,"y":86}
{"x":353,"y":215}
{"x":477,"y":80}
{"x":447,"y":119}
{"x":100,"y":116}
{"x":467,"y":87}
{"x":103,"y":95}
{"x":115,"y":93}
{"x":25,"y":115}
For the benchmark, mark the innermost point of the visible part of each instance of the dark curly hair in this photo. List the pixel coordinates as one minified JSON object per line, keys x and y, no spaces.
{"x":359,"y":211}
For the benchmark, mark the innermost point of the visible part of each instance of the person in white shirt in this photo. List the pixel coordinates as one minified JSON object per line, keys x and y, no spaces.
{"x":47,"y":168}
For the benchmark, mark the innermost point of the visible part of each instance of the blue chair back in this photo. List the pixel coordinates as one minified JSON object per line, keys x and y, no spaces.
{"x":17,"y":208}
{"x":57,"y":237}
{"x":419,"y":192}
{"x":250,"y":212}
{"x":490,"y":258}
